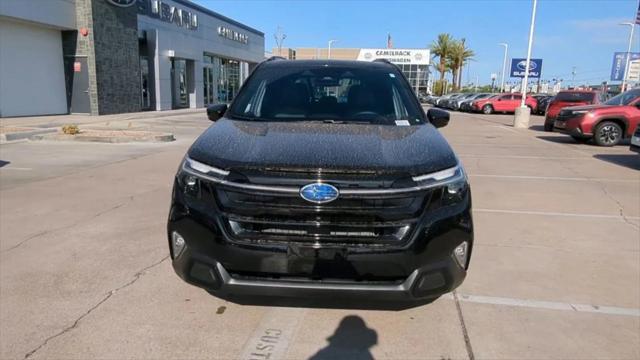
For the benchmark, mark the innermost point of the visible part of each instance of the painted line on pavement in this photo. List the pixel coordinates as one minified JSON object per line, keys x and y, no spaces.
{"x":506,"y":128}
{"x":549,"y":305}
{"x":526,"y":177}
{"x":545,"y":213}
{"x":16,"y":168}
{"x":270,"y":339}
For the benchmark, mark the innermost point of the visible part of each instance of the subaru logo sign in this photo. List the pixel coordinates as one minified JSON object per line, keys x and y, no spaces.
{"x":522,"y":65}
{"x":519,"y":68}
{"x":319,"y":193}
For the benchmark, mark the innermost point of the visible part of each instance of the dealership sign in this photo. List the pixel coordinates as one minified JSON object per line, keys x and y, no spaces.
{"x":233,"y":35}
{"x":519,"y":68}
{"x":619,"y":66}
{"x":168,"y":13}
{"x":397,"y":56}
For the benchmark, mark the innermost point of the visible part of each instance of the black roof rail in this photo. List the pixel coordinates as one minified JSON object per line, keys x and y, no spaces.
{"x":273,"y":58}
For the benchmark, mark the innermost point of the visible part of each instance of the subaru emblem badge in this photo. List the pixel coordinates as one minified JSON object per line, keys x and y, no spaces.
{"x":319,"y":193}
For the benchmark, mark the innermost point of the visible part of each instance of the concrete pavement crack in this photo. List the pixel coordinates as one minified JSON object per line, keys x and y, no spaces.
{"x":620,"y":207}
{"x":467,"y":341}
{"x":45,"y":232}
{"x":136,"y":277}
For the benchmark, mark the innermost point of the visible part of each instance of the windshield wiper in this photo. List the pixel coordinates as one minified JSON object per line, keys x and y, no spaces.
{"x":248,"y":118}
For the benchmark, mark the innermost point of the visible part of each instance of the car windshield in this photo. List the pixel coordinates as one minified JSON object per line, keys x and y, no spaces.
{"x":625,"y":98}
{"x":329,"y":93}
{"x":575,"y":96}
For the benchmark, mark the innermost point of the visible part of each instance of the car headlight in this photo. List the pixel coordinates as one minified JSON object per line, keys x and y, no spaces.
{"x":580,"y":112}
{"x":203,"y":170}
{"x":192,"y":172}
{"x":454,"y":180}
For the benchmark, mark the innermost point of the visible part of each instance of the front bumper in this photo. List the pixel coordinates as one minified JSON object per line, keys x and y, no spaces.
{"x":426,"y":282}
{"x":425,"y":267}
{"x":571,"y":126}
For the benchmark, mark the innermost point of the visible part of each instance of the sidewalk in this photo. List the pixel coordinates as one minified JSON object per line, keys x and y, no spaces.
{"x":106,"y":128}
{"x":50,"y":121}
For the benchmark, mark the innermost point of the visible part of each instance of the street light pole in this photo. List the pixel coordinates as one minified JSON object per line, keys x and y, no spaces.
{"x":504,"y":65}
{"x":329,"y":49}
{"x":526,"y":73}
{"x":628,"y":57}
{"x":521,"y":117}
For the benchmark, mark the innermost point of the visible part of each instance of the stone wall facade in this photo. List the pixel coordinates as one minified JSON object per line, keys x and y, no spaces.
{"x":111,"y":48}
{"x":117,"y":57}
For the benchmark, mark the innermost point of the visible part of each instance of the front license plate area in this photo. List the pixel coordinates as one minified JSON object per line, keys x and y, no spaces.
{"x":314,"y":261}
{"x":559,"y":124}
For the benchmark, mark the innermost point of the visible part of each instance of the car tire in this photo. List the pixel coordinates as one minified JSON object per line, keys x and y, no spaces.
{"x":548,"y":126}
{"x":608,"y":133}
{"x":487,"y":109}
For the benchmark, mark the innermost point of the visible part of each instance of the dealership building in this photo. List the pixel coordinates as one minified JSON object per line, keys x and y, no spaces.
{"x":414,"y":63}
{"x":114,"y":56}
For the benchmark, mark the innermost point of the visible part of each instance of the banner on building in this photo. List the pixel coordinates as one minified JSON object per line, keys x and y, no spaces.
{"x":619,"y":66}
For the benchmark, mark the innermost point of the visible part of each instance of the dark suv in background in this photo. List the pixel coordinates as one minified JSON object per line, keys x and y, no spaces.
{"x":322,"y":178}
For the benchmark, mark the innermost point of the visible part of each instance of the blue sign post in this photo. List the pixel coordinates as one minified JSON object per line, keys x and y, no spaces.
{"x":518,"y":68}
{"x":619,"y":66}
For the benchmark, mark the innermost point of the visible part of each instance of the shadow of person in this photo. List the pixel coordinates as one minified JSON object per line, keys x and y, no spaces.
{"x":351,"y":340}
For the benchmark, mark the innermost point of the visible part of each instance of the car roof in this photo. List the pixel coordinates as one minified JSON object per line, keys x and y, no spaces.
{"x":284,"y":63}
{"x":578,"y":91}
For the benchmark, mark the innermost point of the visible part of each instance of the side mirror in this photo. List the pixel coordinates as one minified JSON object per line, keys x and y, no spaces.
{"x":439,"y":118}
{"x":215,"y":112}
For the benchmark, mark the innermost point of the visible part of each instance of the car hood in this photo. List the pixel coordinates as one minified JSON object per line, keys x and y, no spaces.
{"x":231,"y":144}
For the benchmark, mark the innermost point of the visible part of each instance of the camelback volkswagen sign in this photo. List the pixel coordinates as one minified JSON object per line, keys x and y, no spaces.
{"x":397,"y":56}
{"x":519,"y":66}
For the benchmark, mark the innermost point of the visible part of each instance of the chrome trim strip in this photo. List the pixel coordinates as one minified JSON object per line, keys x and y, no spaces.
{"x":227,"y":280}
{"x":346,"y":193}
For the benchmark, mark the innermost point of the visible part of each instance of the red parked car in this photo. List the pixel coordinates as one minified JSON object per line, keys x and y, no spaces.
{"x":503,"y":103}
{"x":606,"y":123}
{"x":570,"y":98}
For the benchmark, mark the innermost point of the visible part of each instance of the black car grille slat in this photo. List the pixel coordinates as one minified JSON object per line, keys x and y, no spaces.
{"x":286,"y":218}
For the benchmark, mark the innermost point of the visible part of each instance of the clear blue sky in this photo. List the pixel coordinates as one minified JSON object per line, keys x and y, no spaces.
{"x":580,"y":33}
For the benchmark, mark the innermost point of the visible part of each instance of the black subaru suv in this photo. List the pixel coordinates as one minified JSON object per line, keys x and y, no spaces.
{"x":322,"y":178}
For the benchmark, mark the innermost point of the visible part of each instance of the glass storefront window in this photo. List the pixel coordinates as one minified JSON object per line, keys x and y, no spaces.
{"x":221,"y":78}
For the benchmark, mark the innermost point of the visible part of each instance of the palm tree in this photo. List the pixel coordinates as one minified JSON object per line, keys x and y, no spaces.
{"x":458,"y":55}
{"x":441,"y":49}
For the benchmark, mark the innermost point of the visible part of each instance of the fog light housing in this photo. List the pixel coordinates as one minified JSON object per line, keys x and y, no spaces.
{"x":461,"y":253}
{"x":177,"y":244}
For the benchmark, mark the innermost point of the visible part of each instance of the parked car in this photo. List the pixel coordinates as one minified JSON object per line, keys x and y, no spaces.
{"x":293,"y":193}
{"x":503,"y":103}
{"x":635,"y":140}
{"x":455,"y":103}
{"x":466,"y":104}
{"x":569,"y":98}
{"x":543,"y":101}
{"x":446,"y":103}
{"x":605,"y":123}
{"x":441,"y":100}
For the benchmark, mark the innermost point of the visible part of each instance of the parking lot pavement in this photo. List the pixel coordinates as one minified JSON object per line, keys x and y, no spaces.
{"x":555,"y":271}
